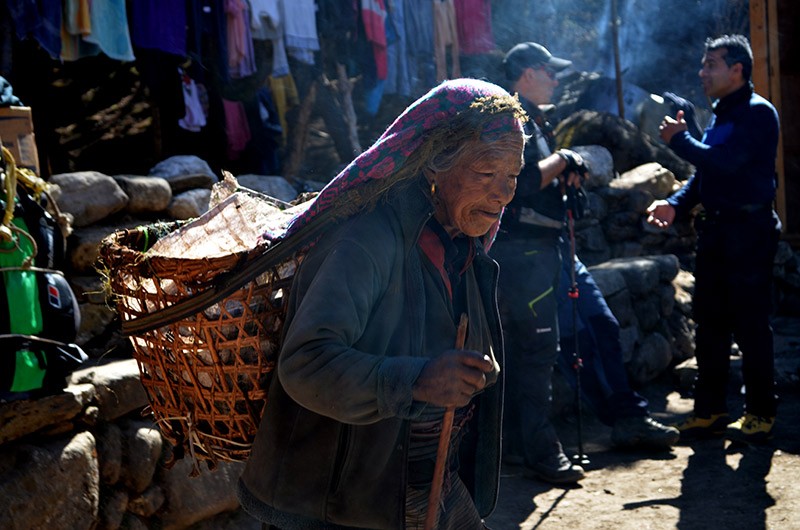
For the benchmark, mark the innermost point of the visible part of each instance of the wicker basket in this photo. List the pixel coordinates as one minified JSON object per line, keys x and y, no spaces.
{"x":206,"y":376}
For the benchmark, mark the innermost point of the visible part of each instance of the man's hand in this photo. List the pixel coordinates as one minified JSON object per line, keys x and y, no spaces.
{"x":670,"y":127}
{"x":661,"y":214}
{"x":451,"y":379}
{"x":576,"y":170}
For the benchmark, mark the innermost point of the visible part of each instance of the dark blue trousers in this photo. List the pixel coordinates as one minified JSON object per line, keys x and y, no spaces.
{"x":732,"y":301}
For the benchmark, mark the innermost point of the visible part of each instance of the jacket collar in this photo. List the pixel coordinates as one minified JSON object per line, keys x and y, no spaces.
{"x":733,"y":99}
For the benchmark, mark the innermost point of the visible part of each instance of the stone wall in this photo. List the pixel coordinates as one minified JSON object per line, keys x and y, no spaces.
{"x":89,"y":458}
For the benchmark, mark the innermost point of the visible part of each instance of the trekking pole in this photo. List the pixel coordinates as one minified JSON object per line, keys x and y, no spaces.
{"x":580,"y":457}
{"x":444,"y":443}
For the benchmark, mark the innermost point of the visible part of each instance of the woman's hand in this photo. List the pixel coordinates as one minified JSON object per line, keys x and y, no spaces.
{"x":451,"y":379}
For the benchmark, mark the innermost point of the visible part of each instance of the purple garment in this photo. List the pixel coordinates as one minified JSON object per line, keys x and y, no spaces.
{"x":207,"y":40}
{"x":159,"y":24}
{"x":40,"y":19}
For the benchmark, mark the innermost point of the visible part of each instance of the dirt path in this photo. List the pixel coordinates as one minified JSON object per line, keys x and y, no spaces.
{"x":709,"y":485}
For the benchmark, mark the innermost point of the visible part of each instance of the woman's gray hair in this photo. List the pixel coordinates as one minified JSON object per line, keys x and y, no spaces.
{"x":446,"y":159}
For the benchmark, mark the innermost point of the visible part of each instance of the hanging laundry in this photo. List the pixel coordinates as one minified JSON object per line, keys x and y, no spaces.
{"x":236,"y":128}
{"x":300,"y":30}
{"x":418,"y":16}
{"x":373,"y":14}
{"x":110,"y":29}
{"x":40,"y":20}
{"x":195,"y":117}
{"x":337,"y":24}
{"x":159,"y":24}
{"x":285,"y":96}
{"x":445,"y":34}
{"x":206,"y":40}
{"x":77,"y":17}
{"x":241,"y":57}
{"x":398,"y":77}
{"x":76,"y":23}
{"x":268,"y":136}
{"x":267,"y":24}
{"x":474,"y":22}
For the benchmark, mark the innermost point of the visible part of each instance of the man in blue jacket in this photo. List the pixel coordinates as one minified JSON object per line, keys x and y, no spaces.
{"x":737,"y":237}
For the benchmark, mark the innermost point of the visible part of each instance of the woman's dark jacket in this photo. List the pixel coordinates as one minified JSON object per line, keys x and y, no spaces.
{"x":353,"y":347}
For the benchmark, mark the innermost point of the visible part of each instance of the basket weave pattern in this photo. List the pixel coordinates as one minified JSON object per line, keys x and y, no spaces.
{"x":206,"y":376}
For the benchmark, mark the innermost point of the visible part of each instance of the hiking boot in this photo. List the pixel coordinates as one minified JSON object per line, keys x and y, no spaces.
{"x":555,"y":469}
{"x":643,"y":431}
{"x":750,"y":429}
{"x":698,"y":427}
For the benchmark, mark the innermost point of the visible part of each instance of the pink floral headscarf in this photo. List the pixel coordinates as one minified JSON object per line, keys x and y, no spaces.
{"x":450,"y":111}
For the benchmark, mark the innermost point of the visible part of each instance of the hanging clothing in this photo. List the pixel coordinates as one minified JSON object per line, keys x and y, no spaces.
{"x":284,"y":95}
{"x":445,"y":34}
{"x":418,"y":16}
{"x":398,"y":77}
{"x":76,"y":23}
{"x":207,"y":39}
{"x":195,"y":117}
{"x":158,"y":71}
{"x":77,"y":17}
{"x":110,"y":29}
{"x":265,"y":127}
{"x":159,"y":24}
{"x":40,"y":20}
{"x":266,"y":23}
{"x":337,"y":24}
{"x":236,"y":128}
{"x":474,"y":23}
{"x":373,"y":14}
{"x":300,"y":30}
{"x":241,"y":57}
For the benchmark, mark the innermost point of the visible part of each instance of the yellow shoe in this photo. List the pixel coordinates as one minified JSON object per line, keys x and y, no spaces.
{"x":696,"y":427}
{"x":751,"y":429}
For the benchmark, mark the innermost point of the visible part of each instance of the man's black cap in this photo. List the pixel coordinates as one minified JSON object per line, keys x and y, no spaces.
{"x":530,"y":54}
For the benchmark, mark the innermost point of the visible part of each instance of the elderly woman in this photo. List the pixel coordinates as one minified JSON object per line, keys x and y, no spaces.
{"x":368,"y":365}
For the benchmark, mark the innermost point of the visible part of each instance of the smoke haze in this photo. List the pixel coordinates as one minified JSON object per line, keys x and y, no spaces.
{"x":660,"y":42}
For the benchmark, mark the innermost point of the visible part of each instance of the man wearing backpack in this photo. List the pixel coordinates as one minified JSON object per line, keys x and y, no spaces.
{"x":528,"y":250}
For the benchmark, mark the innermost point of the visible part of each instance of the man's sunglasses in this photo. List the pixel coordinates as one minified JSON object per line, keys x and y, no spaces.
{"x":547,"y":70}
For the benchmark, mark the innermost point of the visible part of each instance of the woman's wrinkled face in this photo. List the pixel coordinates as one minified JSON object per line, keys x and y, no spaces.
{"x":471,"y":196}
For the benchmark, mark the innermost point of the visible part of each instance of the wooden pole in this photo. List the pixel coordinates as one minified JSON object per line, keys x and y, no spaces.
{"x":617,"y":68}
{"x":297,"y":143}
{"x":444,"y":444}
{"x":766,"y":77}
{"x":346,"y":93}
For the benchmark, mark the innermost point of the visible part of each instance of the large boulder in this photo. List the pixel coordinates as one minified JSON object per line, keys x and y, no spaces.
{"x":89,"y":196}
{"x":185,"y":172}
{"x":54,"y":485}
{"x":629,"y":146}
{"x":147,"y":194}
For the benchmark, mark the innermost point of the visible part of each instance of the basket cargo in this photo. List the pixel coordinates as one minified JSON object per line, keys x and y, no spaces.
{"x":206,"y":375}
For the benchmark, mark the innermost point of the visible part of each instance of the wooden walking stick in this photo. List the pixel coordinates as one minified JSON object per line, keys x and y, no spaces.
{"x":444,"y":443}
